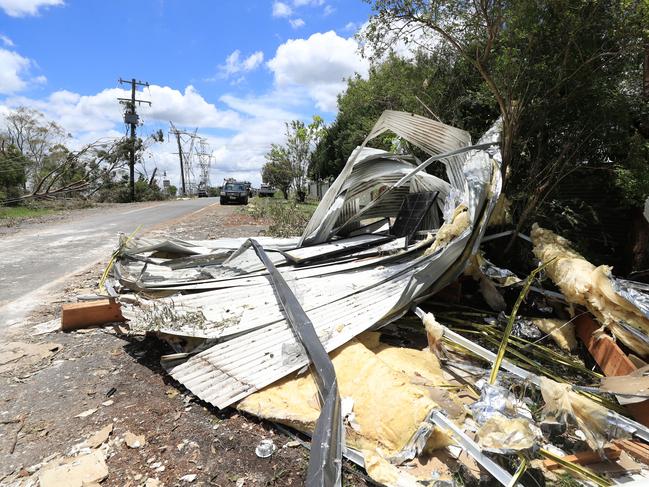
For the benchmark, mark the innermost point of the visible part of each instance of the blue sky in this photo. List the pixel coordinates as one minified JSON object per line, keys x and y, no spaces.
{"x":237,"y":70}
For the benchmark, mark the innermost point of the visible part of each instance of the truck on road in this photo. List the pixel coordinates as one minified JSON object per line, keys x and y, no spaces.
{"x":234,"y":192}
{"x":266,"y":190}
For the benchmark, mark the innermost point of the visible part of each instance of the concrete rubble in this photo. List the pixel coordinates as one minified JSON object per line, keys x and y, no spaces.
{"x":386,"y":335}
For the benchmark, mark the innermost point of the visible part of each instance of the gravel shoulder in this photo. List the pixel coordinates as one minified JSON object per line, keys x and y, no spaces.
{"x":67,"y":386}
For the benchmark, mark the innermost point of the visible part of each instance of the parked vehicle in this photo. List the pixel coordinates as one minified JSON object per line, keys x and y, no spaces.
{"x":266,"y":190}
{"x":234,"y":193}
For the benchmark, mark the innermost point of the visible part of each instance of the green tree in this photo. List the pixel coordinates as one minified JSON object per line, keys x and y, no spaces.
{"x":13,"y":172}
{"x":565,"y":76}
{"x":440,"y":82}
{"x":34,"y":136}
{"x":278,"y":171}
{"x":289,"y":163}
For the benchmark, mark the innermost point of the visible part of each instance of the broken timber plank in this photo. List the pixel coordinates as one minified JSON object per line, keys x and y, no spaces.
{"x":612,"y":453}
{"x":637,"y":450}
{"x":90,"y":313}
{"x":612,"y":360}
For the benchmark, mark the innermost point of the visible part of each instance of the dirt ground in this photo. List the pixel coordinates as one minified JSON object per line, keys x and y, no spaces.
{"x":57,"y":389}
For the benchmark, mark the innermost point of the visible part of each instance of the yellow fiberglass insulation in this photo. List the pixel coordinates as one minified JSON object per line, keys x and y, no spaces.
{"x":450,"y":230}
{"x":564,"y":405}
{"x":390,"y":401}
{"x":502,"y":212}
{"x":488,"y":289}
{"x":562,"y":333}
{"x":583,"y":283}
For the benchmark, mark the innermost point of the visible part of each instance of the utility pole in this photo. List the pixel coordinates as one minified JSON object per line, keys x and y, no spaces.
{"x":177,"y":133}
{"x":131,"y":118}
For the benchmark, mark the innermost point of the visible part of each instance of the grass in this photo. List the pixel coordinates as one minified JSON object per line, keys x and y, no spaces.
{"x":286,"y":218}
{"x":10,"y":215}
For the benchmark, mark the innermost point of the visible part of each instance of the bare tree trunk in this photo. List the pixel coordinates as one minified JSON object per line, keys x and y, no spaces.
{"x":645,"y":71}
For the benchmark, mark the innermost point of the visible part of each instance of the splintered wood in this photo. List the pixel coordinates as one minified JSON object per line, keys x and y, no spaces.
{"x":612,"y":360}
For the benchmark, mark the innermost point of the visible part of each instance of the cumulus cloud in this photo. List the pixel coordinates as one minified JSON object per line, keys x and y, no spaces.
{"x":296,"y":23}
{"x":101,"y":112}
{"x":14,"y":70}
{"x":187,"y":108}
{"x":320,"y":64}
{"x":234,"y":63}
{"x":280,"y":9}
{"x":23,"y":8}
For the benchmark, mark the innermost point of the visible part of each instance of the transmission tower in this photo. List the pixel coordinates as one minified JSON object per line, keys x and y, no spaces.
{"x":204,"y":155}
{"x":186,"y":154}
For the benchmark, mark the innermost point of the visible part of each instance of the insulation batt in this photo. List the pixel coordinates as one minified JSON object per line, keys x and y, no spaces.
{"x":488,"y":289}
{"x":566,"y":406}
{"x":502,"y":213}
{"x":451,"y":230}
{"x":584,"y":284}
{"x":391,"y":400}
{"x":562,"y":333}
{"x":434,"y":334}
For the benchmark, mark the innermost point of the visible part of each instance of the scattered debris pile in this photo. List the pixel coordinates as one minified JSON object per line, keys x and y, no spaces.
{"x":368,"y":333}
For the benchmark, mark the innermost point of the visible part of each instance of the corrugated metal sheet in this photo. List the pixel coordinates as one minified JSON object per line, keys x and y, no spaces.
{"x":432,"y":137}
{"x":342,"y":298}
{"x":231,"y":370}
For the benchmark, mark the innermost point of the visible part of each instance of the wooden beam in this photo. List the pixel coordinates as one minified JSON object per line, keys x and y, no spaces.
{"x":637,"y":450}
{"x":90,"y":313}
{"x":611,"y":359}
{"x":587,"y":457}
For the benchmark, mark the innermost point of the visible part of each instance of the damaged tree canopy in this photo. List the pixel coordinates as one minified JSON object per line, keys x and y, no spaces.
{"x":386,"y":234}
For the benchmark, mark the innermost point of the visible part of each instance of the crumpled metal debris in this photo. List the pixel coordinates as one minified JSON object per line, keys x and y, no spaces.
{"x":213,"y":300}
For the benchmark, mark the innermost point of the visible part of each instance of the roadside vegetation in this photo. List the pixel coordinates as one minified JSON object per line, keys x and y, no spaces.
{"x":9,"y":216}
{"x":285,"y":217}
{"x":12,"y":215}
{"x":570,"y":82}
{"x":37,"y":165}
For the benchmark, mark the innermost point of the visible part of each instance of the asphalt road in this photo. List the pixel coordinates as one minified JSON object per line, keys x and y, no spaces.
{"x":37,"y":259}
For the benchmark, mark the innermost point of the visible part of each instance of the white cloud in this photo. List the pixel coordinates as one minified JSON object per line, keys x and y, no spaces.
{"x":280,"y":9}
{"x":315,"y":3}
{"x":188,"y":108}
{"x":296,"y":23}
{"x":320,"y":64}
{"x":13,"y":71}
{"x":6,"y":41}
{"x":235,"y":64}
{"x":22,"y":8}
{"x":328,"y":10}
{"x":101,"y":112}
